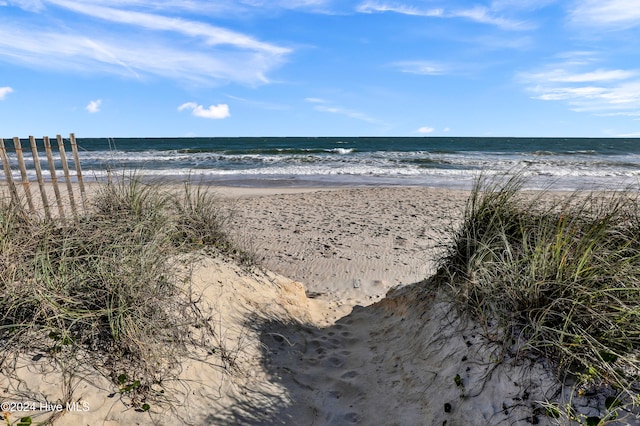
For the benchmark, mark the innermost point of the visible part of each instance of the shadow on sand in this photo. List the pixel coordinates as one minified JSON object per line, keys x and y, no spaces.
{"x":408,"y":360}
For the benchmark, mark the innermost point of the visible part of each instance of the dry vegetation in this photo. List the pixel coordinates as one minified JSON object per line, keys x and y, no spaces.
{"x":102,"y":289}
{"x":560,"y":279}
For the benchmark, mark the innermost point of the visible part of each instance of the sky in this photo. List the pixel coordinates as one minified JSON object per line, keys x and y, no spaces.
{"x":171,"y":68}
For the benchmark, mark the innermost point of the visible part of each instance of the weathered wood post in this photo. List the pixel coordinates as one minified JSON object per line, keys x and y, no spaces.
{"x":65,"y":167}
{"x":8,"y":175}
{"x":43,"y":189}
{"x":23,"y":173}
{"x":54,"y":178}
{"x":76,"y":160}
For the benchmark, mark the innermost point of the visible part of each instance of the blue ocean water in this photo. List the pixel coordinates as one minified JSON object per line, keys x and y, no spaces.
{"x":562,"y":163}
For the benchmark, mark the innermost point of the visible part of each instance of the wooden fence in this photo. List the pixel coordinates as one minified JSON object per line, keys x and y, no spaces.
{"x":34,"y":206}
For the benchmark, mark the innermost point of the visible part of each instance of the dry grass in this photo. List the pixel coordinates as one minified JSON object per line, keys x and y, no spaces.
{"x":560,"y":278}
{"x":103,"y":288}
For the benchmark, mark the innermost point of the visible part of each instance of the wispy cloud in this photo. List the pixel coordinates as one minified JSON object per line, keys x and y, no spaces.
{"x":141,"y":45}
{"x":94,"y":106}
{"x":422,"y":67}
{"x":377,"y":6}
{"x":479,"y":14}
{"x":520,"y":4}
{"x":4,"y":91}
{"x":600,"y":91}
{"x":316,"y":100}
{"x":30,"y":5}
{"x":615,"y":14}
{"x":211,"y":35}
{"x":273,"y":106}
{"x":326,"y":106}
{"x":207,"y":7}
{"x":347,"y":113}
{"x":214,"y":112}
{"x":599,"y":75}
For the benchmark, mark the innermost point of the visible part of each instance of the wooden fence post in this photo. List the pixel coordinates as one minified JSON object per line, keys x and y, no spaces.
{"x":7,"y":172}
{"x":43,"y":190}
{"x":54,"y":178}
{"x":23,"y":172}
{"x":67,"y":177}
{"x":76,"y":160}
{"x":18,"y":197}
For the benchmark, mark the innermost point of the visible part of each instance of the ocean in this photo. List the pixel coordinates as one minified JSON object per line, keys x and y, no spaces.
{"x":450,"y":162}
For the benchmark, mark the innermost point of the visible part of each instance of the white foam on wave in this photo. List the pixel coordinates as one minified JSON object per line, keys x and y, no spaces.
{"x":342,"y":151}
{"x":347,"y":164}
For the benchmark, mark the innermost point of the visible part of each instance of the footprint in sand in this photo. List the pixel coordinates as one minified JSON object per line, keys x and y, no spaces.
{"x":350,"y":375}
{"x":336,"y":362}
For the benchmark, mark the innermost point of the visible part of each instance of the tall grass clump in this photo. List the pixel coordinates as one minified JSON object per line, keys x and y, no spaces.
{"x":104,"y":287}
{"x":559,"y":277}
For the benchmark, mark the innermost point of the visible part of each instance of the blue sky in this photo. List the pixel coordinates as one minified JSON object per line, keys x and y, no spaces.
{"x":118,"y":68}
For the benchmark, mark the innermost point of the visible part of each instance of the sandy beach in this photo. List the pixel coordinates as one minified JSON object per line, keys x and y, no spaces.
{"x":335,"y":326}
{"x":349,"y":245}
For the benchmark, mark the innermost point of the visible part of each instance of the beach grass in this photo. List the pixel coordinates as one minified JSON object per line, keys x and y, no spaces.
{"x":106,"y":287}
{"x":560,"y":277}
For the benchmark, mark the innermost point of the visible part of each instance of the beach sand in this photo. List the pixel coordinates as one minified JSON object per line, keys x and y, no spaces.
{"x":349,"y":246}
{"x":338,"y":326}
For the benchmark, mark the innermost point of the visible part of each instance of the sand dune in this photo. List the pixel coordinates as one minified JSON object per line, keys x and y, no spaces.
{"x":340,"y":327}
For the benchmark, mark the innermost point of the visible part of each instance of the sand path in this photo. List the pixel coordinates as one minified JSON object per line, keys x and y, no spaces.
{"x":403,"y":359}
{"x":362,"y":362}
{"x":350,"y":245}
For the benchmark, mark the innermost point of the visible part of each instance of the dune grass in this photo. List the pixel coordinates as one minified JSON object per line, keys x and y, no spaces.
{"x":104,"y":287}
{"x":561,"y":279}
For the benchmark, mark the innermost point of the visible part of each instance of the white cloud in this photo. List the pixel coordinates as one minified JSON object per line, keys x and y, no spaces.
{"x":599,"y":91}
{"x":326,"y":106}
{"x":377,"y":6}
{"x":94,"y":106}
{"x":135,"y":57}
{"x":483,"y":15}
{"x":315,"y":100}
{"x":425,"y":130}
{"x":616,"y":14}
{"x":4,"y":91}
{"x":210,"y":8}
{"x":141,"y":45}
{"x":520,"y":4}
{"x":421,"y":67}
{"x":346,"y":112}
{"x":211,"y":34}
{"x":563,"y":76}
{"x":479,"y":14}
{"x":214,"y":112}
{"x":321,"y":6}
{"x":30,"y":5}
